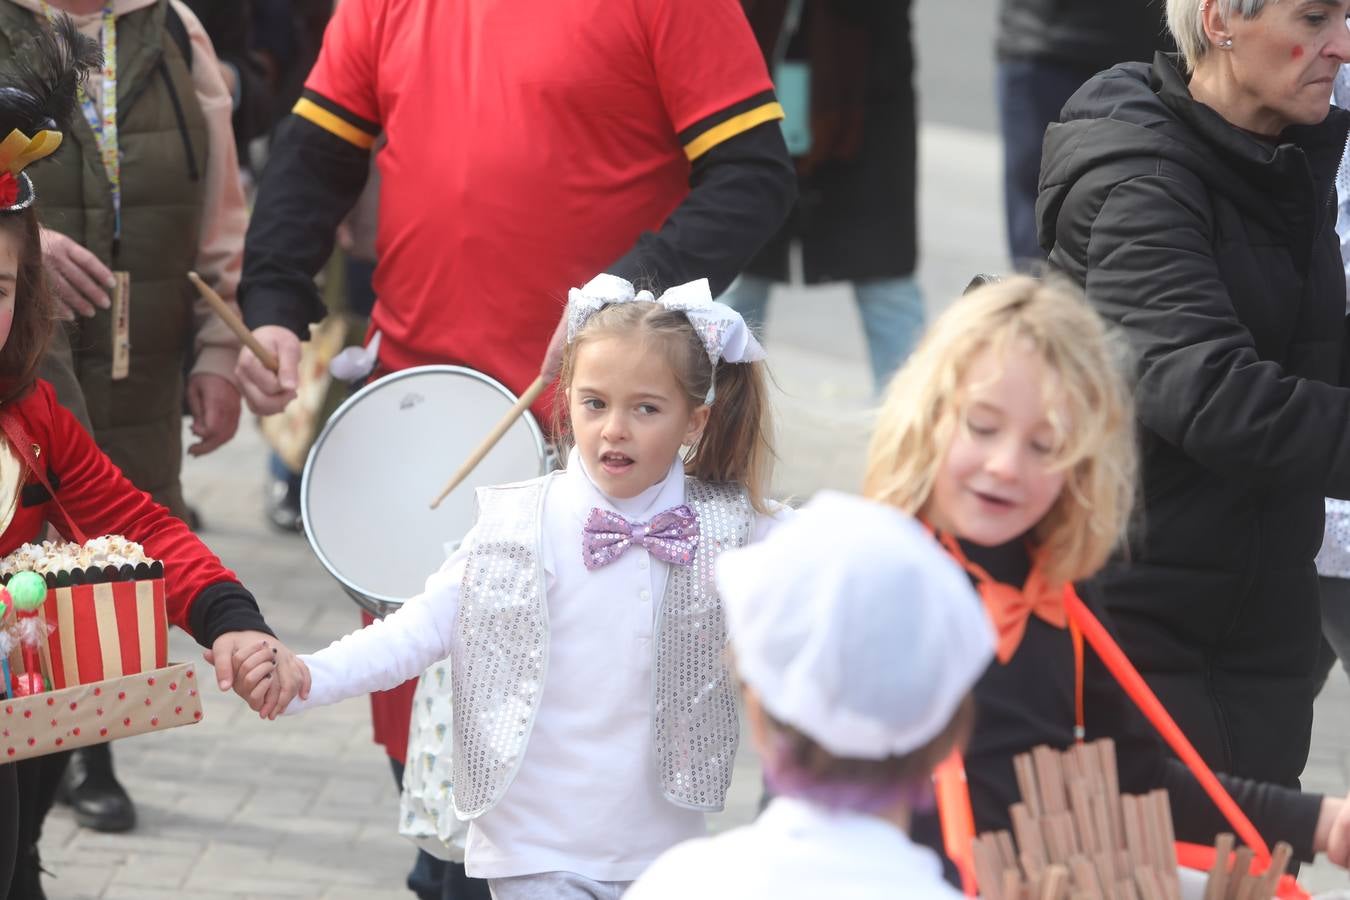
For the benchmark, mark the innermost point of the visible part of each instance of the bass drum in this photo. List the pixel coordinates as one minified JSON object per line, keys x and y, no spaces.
{"x":368,"y":483}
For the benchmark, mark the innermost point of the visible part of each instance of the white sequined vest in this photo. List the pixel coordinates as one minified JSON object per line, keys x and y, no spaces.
{"x":500,"y":651}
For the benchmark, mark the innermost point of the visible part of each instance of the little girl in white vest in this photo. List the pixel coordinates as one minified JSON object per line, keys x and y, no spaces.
{"x":595,"y":721}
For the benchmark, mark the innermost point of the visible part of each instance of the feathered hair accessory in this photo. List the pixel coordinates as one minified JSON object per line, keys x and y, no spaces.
{"x":38,"y":90}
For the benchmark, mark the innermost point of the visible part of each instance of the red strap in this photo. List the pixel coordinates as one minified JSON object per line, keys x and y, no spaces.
{"x":1138,"y":690}
{"x":28,"y":452}
{"x":957,"y":817}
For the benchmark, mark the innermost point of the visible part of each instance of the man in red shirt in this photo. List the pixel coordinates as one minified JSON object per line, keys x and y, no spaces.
{"x":530,"y":146}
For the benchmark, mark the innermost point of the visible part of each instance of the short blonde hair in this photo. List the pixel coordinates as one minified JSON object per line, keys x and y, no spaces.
{"x":922,"y":409}
{"x":1185,"y":19}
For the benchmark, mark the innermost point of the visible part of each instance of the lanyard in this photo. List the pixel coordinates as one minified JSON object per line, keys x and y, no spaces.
{"x":103,"y":121}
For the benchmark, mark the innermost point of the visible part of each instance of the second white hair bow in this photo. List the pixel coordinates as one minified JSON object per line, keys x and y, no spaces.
{"x":724,"y":333}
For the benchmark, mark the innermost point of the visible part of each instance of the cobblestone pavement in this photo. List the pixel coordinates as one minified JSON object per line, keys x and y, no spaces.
{"x":235,"y":808}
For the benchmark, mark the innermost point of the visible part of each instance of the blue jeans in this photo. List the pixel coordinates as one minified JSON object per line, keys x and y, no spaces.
{"x":1031,"y":94}
{"x":892,"y":313}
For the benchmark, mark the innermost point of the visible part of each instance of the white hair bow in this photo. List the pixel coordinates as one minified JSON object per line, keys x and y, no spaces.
{"x":724,"y":333}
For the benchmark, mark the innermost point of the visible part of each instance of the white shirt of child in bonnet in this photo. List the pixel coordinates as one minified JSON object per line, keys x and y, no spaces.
{"x":796,"y":849}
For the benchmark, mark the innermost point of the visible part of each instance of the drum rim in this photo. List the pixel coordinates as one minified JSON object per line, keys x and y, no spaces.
{"x":380,"y":604}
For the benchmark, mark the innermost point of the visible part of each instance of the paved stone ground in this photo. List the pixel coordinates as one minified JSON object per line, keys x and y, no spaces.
{"x":237,"y":808}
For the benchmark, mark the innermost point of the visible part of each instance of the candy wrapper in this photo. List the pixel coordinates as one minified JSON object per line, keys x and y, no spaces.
{"x":26,"y":594}
{"x":7,"y":642}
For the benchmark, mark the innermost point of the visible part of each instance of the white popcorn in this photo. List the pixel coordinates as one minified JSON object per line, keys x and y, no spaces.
{"x":50,"y":556}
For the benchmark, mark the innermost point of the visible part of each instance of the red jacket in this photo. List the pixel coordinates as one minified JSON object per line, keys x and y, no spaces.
{"x":205,"y":599}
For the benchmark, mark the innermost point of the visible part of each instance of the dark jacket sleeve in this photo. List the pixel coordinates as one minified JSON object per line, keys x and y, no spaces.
{"x":1279,"y":813}
{"x":1202,"y":387}
{"x":740,"y":193}
{"x":203,"y":597}
{"x":311,"y":182}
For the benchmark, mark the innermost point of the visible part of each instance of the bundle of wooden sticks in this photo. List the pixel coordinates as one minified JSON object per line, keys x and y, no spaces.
{"x":1078,"y":837}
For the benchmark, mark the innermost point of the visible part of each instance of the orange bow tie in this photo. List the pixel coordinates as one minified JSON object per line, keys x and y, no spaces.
{"x":1008,"y":607}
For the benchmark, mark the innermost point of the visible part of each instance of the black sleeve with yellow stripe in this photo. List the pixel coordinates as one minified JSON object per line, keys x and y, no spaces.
{"x":319,"y":162}
{"x":742,"y":187}
{"x":315,"y":108}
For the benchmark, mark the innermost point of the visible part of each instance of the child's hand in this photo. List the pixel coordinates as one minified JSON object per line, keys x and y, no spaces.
{"x":260,"y":669}
{"x":270,"y":678}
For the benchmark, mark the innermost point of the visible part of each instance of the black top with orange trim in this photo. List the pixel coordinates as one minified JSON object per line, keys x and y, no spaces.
{"x":529,"y":147}
{"x":1030,"y":701}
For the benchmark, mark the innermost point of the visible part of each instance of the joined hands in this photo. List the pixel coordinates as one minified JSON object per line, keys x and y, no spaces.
{"x":260,"y":669}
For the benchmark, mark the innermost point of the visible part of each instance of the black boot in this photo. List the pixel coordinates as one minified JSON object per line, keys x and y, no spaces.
{"x":92,"y":791}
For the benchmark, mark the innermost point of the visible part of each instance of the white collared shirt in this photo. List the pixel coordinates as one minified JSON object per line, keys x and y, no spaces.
{"x":587,"y":797}
{"x":798,"y":850}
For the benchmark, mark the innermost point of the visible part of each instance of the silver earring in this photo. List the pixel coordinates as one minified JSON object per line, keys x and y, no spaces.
{"x":1226,"y":44}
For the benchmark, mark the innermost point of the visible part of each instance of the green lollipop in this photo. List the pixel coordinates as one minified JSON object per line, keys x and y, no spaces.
{"x":29,"y":591}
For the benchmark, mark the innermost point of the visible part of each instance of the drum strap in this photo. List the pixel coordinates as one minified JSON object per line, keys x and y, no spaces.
{"x":28,"y":451}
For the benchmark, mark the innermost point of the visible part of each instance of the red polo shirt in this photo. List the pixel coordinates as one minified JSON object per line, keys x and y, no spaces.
{"x":530,"y":142}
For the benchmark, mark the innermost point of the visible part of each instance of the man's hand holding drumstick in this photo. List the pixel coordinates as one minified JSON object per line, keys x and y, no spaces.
{"x":268,"y":369}
{"x":267,"y":391}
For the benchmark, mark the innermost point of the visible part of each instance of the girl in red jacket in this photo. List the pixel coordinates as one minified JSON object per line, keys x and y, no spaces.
{"x":52,"y":471}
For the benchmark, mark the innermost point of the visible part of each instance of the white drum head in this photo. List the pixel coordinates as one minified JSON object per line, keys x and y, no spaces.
{"x":385,"y":454}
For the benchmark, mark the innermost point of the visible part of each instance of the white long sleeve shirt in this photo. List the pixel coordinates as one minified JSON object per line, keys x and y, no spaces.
{"x":587,"y":797}
{"x":1333,"y":560}
{"x":1340,"y":95}
{"x":798,"y":850}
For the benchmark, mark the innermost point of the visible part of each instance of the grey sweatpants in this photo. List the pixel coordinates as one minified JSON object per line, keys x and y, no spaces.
{"x":555,"y":886}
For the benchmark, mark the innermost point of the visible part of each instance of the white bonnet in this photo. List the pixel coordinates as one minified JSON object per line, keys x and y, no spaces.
{"x":855,"y":627}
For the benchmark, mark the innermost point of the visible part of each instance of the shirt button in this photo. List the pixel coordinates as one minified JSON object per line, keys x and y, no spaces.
{"x":644,"y":595}
{"x":642,"y":563}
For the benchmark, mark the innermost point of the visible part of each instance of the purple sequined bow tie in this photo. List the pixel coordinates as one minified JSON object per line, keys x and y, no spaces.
{"x":671,"y":536}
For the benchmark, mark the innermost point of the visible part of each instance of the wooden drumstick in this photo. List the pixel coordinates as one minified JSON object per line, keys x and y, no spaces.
{"x":526,"y":400}
{"x":236,"y":324}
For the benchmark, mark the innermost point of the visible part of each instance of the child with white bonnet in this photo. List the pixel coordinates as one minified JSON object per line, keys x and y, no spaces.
{"x":857,"y":640}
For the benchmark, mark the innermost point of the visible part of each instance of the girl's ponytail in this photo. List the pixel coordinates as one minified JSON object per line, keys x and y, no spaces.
{"x":736,"y":444}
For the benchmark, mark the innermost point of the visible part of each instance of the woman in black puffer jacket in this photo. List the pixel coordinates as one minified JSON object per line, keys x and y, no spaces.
{"x":1194,"y":201}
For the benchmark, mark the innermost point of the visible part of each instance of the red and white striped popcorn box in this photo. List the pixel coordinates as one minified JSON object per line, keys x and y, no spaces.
{"x":97,"y":712}
{"x":102,"y":631}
